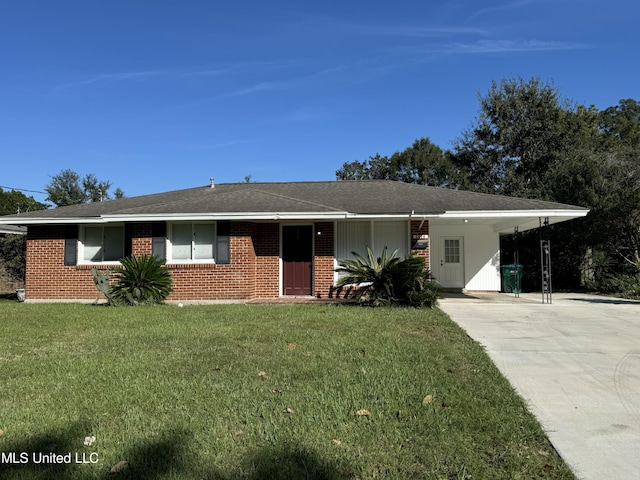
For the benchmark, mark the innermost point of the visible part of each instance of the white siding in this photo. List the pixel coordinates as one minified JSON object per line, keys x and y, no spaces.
{"x":481,"y":254}
{"x":356,"y":235}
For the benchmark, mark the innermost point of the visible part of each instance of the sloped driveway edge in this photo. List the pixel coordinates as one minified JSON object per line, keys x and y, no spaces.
{"x":577,"y":364}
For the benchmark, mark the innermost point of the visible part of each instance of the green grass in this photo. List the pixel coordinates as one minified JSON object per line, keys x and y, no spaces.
{"x":202,"y":392}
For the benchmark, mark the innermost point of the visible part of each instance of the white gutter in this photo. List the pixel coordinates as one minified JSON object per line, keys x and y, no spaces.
{"x":278,"y":216}
{"x":515,"y":213}
{"x":52,"y":221}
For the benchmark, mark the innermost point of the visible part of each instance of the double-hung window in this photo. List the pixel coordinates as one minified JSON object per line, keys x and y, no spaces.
{"x":199,"y":242}
{"x":102,"y":243}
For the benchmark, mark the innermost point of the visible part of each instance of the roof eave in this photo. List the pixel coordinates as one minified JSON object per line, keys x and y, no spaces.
{"x":559,"y":212}
{"x":507,"y":215}
{"x":50,"y":221}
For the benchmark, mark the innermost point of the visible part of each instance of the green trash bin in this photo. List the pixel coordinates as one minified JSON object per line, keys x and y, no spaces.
{"x":512,"y":278}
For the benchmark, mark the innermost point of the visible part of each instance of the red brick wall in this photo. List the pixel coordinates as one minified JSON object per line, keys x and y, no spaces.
{"x":267,"y":273}
{"x":254,"y":270}
{"x":323,"y":258}
{"x":416,"y":232}
{"x":141,"y":239}
{"x":47,"y":277}
{"x":208,"y":281}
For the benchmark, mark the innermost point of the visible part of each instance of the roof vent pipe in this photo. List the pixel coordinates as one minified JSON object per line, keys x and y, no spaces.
{"x":213,"y":183}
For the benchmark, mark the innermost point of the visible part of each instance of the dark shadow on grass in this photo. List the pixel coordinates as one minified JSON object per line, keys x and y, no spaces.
{"x":149,"y":458}
{"x":287,"y":462}
{"x":154,"y":458}
{"x":290,"y":462}
{"x":60,"y":441}
{"x":167,"y":455}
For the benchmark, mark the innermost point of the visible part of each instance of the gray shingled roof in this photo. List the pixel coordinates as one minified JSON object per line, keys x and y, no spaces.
{"x":317,"y":198}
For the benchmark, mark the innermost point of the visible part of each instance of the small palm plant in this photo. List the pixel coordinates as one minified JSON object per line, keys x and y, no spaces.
{"x":372,"y":275}
{"x":389,"y":280}
{"x":141,"y":280}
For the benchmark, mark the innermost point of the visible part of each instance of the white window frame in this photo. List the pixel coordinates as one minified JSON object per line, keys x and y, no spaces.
{"x":81,"y":244}
{"x":191,"y":260}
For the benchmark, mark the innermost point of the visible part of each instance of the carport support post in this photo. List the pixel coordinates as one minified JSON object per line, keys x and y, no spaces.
{"x":545,"y":259}
{"x":516,"y":261}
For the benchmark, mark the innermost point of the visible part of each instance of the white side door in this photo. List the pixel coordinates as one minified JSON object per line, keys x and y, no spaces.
{"x":451,"y":262}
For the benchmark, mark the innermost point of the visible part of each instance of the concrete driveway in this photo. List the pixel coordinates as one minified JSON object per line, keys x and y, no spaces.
{"x":577,"y":364}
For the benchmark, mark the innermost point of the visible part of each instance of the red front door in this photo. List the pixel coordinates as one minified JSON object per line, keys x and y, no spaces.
{"x":297,"y":258}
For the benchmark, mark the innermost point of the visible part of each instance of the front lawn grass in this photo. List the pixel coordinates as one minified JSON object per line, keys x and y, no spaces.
{"x":258,"y":391}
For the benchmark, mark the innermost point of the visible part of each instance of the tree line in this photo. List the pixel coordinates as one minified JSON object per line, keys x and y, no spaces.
{"x":65,"y":188}
{"x":528,"y":141}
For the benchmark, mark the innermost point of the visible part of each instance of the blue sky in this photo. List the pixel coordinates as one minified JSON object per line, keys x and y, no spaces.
{"x":161,"y":95}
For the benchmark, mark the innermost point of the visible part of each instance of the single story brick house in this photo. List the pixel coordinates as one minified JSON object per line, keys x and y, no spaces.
{"x":240,"y":241}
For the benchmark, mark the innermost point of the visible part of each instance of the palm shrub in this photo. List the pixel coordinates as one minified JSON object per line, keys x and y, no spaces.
{"x":389,"y":280}
{"x":414,"y":284}
{"x":141,"y":280}
{"x":372,"y":275}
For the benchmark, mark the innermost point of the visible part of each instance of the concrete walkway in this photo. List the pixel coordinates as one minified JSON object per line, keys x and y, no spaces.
{"x":577,"y":364}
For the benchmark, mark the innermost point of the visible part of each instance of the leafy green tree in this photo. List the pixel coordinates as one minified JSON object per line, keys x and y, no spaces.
{"x":520,"y":132}
{"x":13,"y":252}
{"x":13,"y":248}
{"x":68,"y":188}
{"x":423,"y":163}
{"x":375,"y":168}
{"x":620,"y":125}
{"x":65,"y":189}
{"x":17,"y":202}
{"x":618,"y":199}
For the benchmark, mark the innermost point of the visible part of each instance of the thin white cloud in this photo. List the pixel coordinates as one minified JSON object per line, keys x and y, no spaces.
{"x":507,"y":46}
{"x":413,"y":31}
{"x":230,"y":68}
{"x":492,"y":46}
{"x":322,"y":25}
{"x":113,"y":77}
{"x":213,"y":145}
{"x":305,"y":114}
{"x":505,"y":6}
{"x":285,"y":84}
{"x":121,"y":77}
{"x":258,"y":87}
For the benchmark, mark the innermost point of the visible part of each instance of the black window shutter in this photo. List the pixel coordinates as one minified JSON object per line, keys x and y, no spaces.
{"x":223,"y":250}
{"x":71,"y":245}
{"x":159,"y":241}
{"x":128,"y":242}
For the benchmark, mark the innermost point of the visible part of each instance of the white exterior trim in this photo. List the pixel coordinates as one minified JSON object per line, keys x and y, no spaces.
{"x":512,"y":213}
{"x":81,"y":246}
{"x":305,"y":216}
